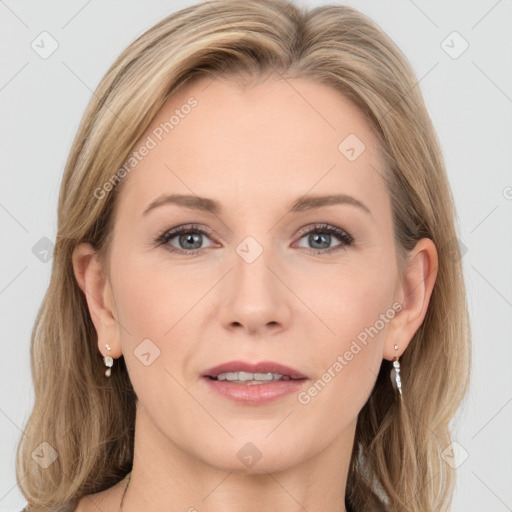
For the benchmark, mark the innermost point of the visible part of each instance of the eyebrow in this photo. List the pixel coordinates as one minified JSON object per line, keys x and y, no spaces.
{"x":205,"y":204}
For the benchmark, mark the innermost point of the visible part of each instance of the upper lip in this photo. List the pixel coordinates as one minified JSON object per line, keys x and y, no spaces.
{"x":261,"y":367}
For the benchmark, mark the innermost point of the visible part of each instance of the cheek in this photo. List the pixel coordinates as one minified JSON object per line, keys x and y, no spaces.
{"x":355,"y":303}
{"x":349,"y":297}
{"x":346,"y":363}
{"x":159,"y":309}
{"x":152,"y":305}
{"x":151,"y":298}
{"x":339,"y":300}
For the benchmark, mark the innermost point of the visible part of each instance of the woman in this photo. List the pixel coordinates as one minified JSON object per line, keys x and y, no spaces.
{"x":298,"y":354}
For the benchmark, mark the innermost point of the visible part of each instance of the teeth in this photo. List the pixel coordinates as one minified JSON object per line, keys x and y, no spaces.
{"x":247,"y":377}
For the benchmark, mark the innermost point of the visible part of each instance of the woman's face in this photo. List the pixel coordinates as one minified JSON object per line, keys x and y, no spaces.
{"x":269,"y":272}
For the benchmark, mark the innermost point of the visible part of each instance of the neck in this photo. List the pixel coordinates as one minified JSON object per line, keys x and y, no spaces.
{"x":172,"y":477}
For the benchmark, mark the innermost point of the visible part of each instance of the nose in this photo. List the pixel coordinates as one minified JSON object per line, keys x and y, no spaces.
{"x":255,"y":299}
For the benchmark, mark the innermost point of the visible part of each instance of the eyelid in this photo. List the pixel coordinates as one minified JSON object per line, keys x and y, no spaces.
{"x":344,"y":237}
{"x":187,"y":227}
{"x":168,"y":234}
{"x":318,"y":226}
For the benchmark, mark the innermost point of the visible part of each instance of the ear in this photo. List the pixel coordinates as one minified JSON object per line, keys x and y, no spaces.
{"x":93,"y":281}
{"x":415,"y":290}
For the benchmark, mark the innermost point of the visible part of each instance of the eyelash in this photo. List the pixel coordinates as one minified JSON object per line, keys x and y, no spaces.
{"x":344,"y":237}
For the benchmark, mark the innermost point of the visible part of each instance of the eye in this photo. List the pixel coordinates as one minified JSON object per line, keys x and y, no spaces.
{"x":321,"y":236}
{"x":189,"y":239}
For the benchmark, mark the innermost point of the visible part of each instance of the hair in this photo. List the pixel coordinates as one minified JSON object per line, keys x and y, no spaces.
{"x":89,"y":420}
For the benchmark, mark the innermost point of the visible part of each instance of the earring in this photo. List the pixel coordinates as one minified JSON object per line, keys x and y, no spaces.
{"x":108,"y":361}
{"x":395,"y":375}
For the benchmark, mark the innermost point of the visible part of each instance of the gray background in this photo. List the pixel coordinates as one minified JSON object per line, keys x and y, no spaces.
{"x":470,"y":102}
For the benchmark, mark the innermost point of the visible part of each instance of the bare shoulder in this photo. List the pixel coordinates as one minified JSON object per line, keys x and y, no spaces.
{"x":92,"y":502}
{"x":106,"y":501}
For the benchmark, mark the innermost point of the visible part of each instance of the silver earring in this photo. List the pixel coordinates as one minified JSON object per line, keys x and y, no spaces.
{"x":395,"y":375}
{"x":108,"y":361}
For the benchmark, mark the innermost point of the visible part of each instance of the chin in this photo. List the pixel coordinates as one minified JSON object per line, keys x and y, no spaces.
{"x":252,"y":458}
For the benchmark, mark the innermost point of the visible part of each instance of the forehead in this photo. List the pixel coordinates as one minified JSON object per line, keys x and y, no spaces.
{"x":277,"y":137}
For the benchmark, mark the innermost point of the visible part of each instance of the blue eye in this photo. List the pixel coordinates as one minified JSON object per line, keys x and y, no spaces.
{"x":321,"y":236}
{"x":190,"y":239}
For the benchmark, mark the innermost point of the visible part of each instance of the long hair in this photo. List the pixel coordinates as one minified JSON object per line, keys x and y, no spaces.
{"x":86,"y":420}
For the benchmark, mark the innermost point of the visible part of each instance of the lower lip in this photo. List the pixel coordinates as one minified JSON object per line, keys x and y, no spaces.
{"x":255,"y":393}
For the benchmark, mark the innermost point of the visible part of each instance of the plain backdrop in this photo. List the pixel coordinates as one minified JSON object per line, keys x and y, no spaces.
{"x":461,"y":52}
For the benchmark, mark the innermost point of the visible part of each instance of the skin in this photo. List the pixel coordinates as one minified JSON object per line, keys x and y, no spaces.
{"x":255,"y":150}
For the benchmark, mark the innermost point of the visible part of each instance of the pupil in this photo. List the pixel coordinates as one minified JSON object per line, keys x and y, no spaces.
{"x":316,"y":239}
{"x":313,"y":238}
{"x":189,"y":238}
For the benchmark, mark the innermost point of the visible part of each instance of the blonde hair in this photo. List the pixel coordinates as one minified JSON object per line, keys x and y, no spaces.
{"x":89,"y":420}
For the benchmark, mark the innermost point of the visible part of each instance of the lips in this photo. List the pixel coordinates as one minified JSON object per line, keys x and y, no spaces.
{"x":261,"y":367}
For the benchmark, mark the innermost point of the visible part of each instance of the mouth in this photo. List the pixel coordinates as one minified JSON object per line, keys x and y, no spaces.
{"x":254,"y":384}
{"x":241,"y":372}
{"x":250,"y":379}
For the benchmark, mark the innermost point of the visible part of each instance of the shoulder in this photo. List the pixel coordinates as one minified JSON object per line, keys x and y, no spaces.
{"x":66,"y":509}
{"x":104,"y":500}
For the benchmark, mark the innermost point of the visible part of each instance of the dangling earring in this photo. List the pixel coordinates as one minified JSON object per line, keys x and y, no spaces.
{"x":108,"y":362}
{"x":395,"y":375}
